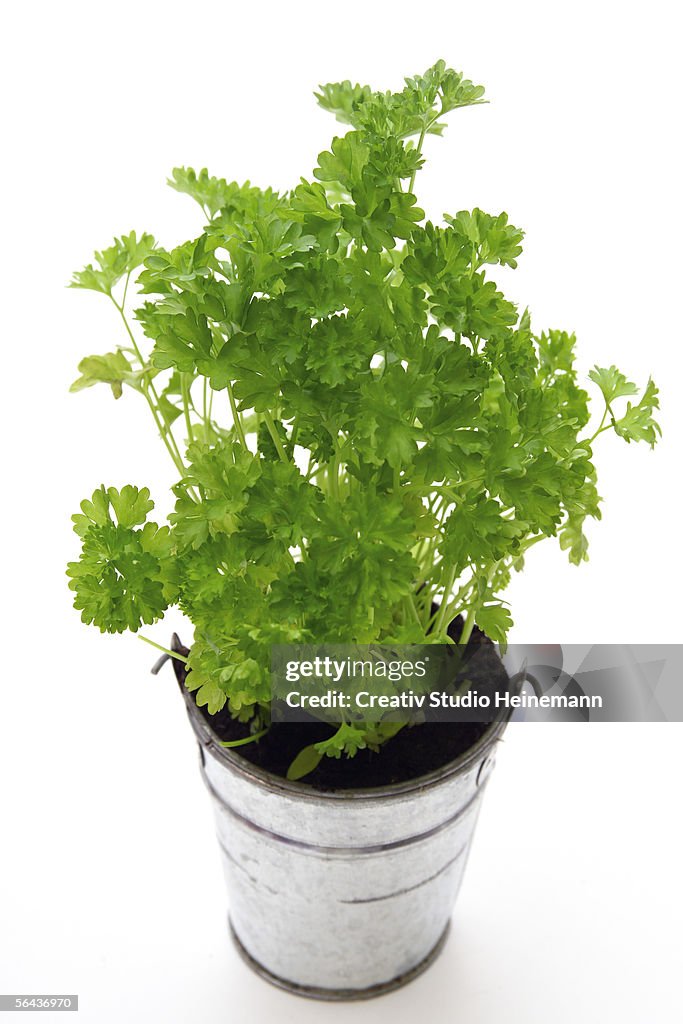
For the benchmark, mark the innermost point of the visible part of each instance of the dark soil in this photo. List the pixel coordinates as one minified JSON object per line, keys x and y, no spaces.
{"x":414,"y":751}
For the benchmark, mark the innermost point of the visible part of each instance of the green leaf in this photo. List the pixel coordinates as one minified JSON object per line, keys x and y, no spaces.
{"x":492,"y":239}
{"x":130,"y":507}
{"x":556,"y":353}
{"x":118,"y":261}
{"x":474,"y":307}
{"x":454,"y":89}
{"x":306,"y":761}
{"x":111,"y":368}
{"x":612,"y":383}
{"x":318,"y":217}
{"x":401,"y":114}
{"x":495,"y":621}
{"x":573,"y":540}
{"x":223,"y":474}
{"x":211,"y":696}
{"x":216,"y":195}
{"x":182,"y":341}
{"x":478,"y":531}
{"x":345,"y":163}
{"x":343,"y":99}
{"x":638,"y":422}
{"x":124,"y":576}
{"x":348,"y":739}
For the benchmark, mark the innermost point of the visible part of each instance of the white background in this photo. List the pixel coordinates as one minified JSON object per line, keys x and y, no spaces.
{"x":110,"y":884}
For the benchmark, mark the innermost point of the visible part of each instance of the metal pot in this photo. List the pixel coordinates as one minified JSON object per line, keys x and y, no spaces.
{"x":343,"y":894}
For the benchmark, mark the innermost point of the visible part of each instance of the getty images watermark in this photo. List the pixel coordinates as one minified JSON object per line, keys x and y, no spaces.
{"x":541,"y":682}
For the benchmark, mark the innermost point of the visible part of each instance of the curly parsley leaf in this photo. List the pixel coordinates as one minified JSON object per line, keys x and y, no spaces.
{"x":612,"y":383}
{"x":124,"y":576}
{"x":114,"y":263}
{"x":638,"y":422}
{"x":112,"y":368}
{"x":216,"y":195}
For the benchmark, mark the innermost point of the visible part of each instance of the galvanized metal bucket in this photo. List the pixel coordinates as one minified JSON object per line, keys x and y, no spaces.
{"x":344,"y":894}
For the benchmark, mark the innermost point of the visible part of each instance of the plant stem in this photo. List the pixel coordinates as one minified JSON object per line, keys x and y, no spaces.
{"x":333,"y":475}
{"x":452,"y":608}
{"x":476,"y":604}
{"x":272,"y":430}
{"x":418,"y":151}
{"x":601,"y":427}
{"x":469,"y":624}
{"x":186,"y":406}
{"x":236,"y":418}
{"x":418,"y":148}
{"x":413,"y":608}
{"x":171,"y":654}
{"x":439,"y":624}
{"x":243,"y":742}
{"x":152,"y":398}
{"x":167,"y":438}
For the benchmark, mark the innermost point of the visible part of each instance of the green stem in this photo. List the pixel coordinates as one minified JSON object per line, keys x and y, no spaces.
{"x":243,"y":742}
{"x":205,"y":408}
{"x":171,"y":654}
{"x":236,"y":418}
{"x":185,"y":388}
{"x":601,"y":427}
{"x":608,"y":426}
{"x":420,"y":142}
{"x":476,"y":604}
{"x":453,"y":607}
{"x":152,"y":398}
{"x":413,"y":608}
{"x":272,"y":430}
{"x":469,"y":624}
{"x":418,"y":151}
{"x":333,"y":476}
{"x":166,"y":436}
{"x":529,"y":543}
{"x":439,"y":623}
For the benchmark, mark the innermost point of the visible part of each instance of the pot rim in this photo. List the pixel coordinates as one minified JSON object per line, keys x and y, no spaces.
{"x":306,"y":791}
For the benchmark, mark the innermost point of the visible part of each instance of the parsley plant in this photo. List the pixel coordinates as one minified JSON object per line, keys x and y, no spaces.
{"x":363,"y":426}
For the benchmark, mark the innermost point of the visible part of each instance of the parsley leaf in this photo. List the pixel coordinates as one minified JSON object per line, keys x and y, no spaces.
{"x":114,"y":263}
{"x":124,"y":576}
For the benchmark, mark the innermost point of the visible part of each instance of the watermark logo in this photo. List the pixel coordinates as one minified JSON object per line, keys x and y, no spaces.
{"x":417,"y":683}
